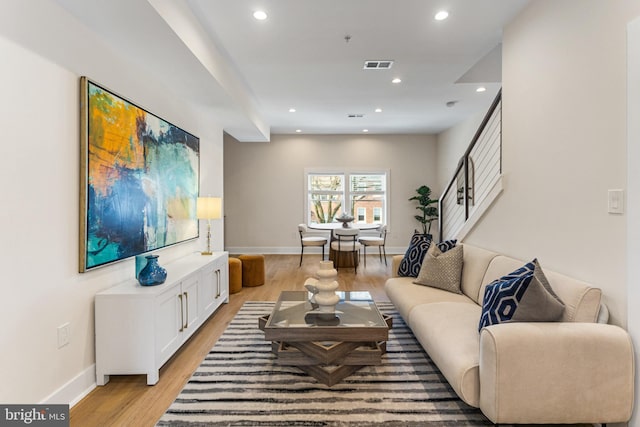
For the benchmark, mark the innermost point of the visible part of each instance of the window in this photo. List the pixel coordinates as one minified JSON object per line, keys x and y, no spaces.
{"x":360,"y":194}
{"x":326,"y":195}
{"x":367,"y":192}
{"x":377,"y":214}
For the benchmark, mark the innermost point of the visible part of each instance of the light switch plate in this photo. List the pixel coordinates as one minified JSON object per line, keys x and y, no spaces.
{"x":616,"y":201}
{"x":64,"y":335}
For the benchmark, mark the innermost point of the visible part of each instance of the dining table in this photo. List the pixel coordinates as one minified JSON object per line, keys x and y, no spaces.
{"x":343,"y":259}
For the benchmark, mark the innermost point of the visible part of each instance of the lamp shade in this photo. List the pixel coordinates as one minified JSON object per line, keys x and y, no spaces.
{"x":209,"y":208}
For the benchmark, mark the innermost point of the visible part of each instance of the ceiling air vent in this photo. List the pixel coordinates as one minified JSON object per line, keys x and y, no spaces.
{"x":378,"y":65}
{"x":355,"y":116}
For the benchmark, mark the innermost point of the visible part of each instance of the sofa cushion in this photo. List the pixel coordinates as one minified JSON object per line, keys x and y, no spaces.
{"x":442,"y":269}
{"x":406,"y":295}
{"x":474,"y":266}
{"x":412,"y":261}
{"x":448,"y":333}
{"x":523,"y":295}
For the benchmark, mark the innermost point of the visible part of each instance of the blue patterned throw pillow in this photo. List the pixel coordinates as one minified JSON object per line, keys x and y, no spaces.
{"x":447,"y":244}
{"x":412,"y":261}
{"x":523,"y":295}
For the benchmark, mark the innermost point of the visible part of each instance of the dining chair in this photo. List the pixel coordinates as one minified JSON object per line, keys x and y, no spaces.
{"x":346,"y":240}
{"x":307,"y":239}
{"x":379,"y":240}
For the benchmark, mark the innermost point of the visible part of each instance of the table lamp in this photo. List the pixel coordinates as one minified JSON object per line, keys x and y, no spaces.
{"x":209,"y":208}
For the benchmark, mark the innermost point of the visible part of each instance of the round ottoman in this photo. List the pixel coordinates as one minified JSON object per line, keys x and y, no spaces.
{"x":235,"y":275}
{"x":252,"y":270}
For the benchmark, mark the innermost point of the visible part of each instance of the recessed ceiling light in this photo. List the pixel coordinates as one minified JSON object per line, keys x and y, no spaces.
{"x":481,"y":89}
{"x":298,"y":130}
{"x":378,"y":110}
{"x":292,"y":110}
{"x":260,"y":15}
{"x":365,"y":130}
{"x":396,"y":80}
{"x":441,"y":16}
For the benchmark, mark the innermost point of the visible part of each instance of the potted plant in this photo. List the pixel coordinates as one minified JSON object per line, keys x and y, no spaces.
{"x":428,"y":212}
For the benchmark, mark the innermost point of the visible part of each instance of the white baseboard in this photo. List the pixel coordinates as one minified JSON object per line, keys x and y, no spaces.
{"x":74,"y":390}
{"x":270,"y":250}
{"x":296,"y":250}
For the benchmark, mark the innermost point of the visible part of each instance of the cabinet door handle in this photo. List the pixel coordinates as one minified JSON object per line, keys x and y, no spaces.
{"x":186,"y":303}
{"x":218,"y":283}
{"x":181,"y":313}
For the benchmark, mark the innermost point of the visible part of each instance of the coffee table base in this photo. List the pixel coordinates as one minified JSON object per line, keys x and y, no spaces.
{"x":328,"y":361}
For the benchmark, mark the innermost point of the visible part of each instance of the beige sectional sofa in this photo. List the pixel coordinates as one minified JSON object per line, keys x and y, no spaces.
{"x":572,"y":371}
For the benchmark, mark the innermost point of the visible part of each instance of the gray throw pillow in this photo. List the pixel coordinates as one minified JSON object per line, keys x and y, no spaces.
{"x":539,"y":303}
{"x":539,"y":275}
{"x":442,"y":270}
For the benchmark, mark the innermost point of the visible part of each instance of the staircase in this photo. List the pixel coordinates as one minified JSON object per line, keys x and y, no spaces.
{"x":477,"y":180}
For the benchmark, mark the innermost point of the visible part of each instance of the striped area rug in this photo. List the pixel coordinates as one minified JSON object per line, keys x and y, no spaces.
{"x":238,"y":384}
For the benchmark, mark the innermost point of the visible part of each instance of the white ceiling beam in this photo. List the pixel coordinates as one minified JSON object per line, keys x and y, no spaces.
{"x":180,"y":18}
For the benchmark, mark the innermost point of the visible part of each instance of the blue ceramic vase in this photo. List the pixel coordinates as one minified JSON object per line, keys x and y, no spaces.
{"x":152,"y":273}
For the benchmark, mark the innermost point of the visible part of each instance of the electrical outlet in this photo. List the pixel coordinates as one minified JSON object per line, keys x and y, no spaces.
{"x":64,"y":334}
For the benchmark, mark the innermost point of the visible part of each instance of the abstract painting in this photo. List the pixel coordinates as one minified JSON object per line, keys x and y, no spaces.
{"x":140,"y":178}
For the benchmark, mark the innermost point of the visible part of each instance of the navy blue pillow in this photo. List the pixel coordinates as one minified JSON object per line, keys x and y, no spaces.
{"x":412,"y":261}
{"x":447,"y":244}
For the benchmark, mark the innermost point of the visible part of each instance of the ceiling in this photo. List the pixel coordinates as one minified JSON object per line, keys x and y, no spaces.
{"x":309,"y":55}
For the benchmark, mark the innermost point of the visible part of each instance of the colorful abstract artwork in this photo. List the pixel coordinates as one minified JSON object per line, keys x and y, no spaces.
{"x":140,"y":180}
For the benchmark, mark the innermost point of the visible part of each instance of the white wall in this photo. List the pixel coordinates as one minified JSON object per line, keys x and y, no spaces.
{"x":264,"y":184}
{"x":633,"y":183}
{"x":564,"y":142}
{"x":39,"y":163}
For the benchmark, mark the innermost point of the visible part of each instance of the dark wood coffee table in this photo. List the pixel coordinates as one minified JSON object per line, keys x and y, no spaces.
{"x":327,"y":346}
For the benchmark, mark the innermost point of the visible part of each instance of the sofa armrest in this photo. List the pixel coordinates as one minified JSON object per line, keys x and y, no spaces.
{"x":562,"y":372}
{"x":395,"y":264}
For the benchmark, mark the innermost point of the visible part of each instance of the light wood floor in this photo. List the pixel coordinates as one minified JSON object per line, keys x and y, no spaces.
{"x":127,"y":401}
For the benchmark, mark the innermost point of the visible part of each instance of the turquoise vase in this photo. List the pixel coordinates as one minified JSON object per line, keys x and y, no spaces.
{"x":152,"y":273}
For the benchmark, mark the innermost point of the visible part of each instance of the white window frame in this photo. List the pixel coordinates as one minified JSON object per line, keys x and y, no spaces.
{"x":363,"y":214}
{"x":346,"y":194}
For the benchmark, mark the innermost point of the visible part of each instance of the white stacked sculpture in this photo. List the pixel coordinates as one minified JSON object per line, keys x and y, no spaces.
{"x":323,"y":288}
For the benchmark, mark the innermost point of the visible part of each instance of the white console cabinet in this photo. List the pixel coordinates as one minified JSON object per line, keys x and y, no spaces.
{"x":138,"y":328}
